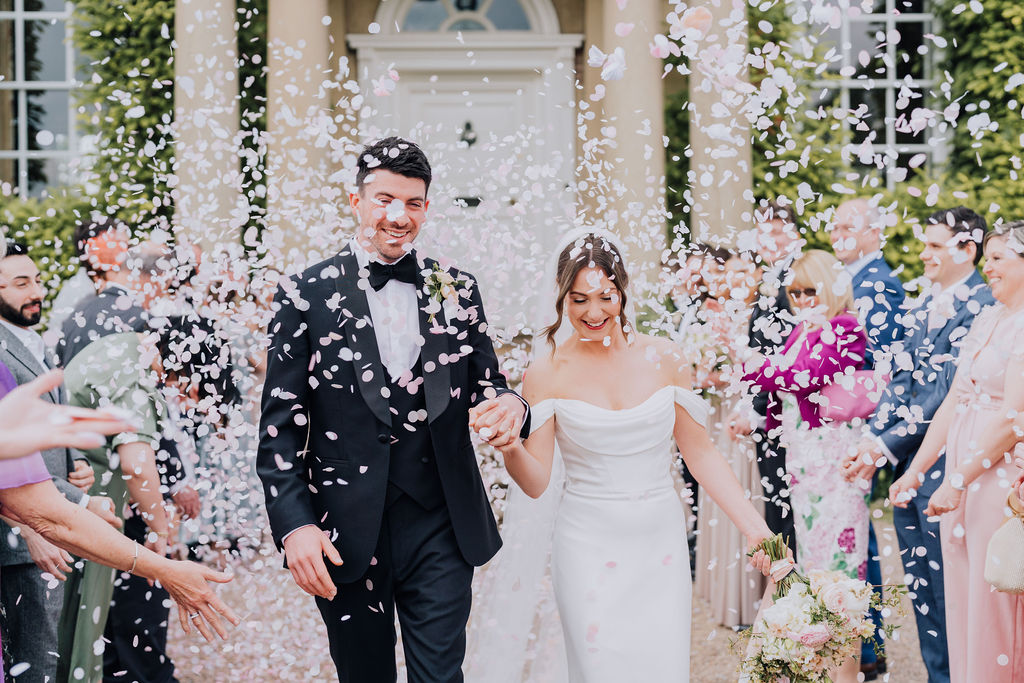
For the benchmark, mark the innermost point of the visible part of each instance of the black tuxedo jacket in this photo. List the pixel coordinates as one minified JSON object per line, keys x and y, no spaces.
{"x":326,"y":426}
{"x":769,"y":329}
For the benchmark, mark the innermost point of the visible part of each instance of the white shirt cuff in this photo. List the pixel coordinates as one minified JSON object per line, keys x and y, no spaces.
{"x":885,"y":451}
{"x":293,"y":531}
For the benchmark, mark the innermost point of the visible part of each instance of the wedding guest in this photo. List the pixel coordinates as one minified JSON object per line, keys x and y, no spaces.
{"x":777,"y":241}
{"x":856,"y":235}
{"x":689,"y":288}
{"x":28,"y":494}
{"x":830,"y":514}
{"x":30,"y":631}
{"x":90,"y":252}
{"x":112,"y":366}
{"x":723,"y":576}
{"x":923,"y":366}
{"x":975,"y":426}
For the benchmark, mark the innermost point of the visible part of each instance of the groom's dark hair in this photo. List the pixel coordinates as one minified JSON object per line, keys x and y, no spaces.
{"x":395,"y":154}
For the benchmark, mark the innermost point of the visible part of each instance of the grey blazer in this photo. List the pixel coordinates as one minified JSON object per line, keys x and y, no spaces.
{"x":24,"y":366}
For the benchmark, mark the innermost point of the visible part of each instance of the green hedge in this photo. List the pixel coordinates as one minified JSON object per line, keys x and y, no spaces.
{"x":128,"y":105}
{"x":984,"y":51}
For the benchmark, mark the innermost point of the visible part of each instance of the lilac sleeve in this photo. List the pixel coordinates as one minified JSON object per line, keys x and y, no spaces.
{"x":30,"y":469}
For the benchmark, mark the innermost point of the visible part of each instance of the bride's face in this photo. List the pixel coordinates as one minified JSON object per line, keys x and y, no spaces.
{"x":593,"y":305}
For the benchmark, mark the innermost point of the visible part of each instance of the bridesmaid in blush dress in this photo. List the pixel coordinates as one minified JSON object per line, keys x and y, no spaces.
{"x":975,"y":425}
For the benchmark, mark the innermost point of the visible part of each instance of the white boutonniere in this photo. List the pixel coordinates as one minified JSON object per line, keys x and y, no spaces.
{"x":444,"y":291}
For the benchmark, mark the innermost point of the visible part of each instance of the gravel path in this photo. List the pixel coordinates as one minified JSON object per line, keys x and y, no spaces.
{"x":282,"y":637}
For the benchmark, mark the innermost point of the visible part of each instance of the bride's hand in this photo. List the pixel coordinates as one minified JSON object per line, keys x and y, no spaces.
{"x":497,"y":420}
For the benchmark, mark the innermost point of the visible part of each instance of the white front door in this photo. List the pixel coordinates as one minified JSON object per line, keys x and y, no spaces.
{"x":497,"y":122}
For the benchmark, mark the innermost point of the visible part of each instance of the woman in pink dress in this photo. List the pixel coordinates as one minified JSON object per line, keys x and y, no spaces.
{"x":975,"y":425}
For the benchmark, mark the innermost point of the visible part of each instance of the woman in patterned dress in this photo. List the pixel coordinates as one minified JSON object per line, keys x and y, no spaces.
{"x":830,"y":514}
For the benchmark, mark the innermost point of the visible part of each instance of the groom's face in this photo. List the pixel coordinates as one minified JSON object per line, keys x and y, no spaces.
{"x":390,"y":209}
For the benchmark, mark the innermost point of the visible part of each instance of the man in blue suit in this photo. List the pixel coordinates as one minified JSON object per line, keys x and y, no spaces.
{"x":856,"y":236}
{"x":923,"y":368}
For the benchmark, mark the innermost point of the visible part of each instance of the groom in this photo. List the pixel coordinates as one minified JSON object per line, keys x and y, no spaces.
{"x":377,"y":357}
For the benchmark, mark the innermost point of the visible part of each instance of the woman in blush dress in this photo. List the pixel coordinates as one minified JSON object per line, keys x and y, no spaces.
{"x":975,"y":425}
{"x":722,"y":576}
{"x":830,"y":514}
{"x":613,"y":401}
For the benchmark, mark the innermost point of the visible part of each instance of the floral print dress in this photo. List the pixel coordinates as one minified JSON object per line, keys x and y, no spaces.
{"x":830,"y":514}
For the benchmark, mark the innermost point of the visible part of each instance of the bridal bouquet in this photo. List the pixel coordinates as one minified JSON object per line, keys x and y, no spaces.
{"x":815,"y":624}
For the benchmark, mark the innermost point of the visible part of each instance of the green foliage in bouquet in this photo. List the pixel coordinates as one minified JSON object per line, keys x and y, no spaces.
{"x":814,"y":624}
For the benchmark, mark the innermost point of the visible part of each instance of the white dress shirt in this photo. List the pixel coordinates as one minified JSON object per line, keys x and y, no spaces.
{"x":32,"y":340}
{"x":395,"y":315}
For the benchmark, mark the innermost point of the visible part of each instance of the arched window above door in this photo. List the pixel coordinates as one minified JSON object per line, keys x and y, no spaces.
{"x":485,"y":16}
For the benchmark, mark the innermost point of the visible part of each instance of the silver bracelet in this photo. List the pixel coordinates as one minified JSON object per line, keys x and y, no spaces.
{"x":84,"y":500}
{"x":135,"y":559}
{"x":956,"y":480}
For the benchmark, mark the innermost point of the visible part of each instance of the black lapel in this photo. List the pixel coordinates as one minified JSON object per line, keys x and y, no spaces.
{"x":369,"y":368}
{"x":437,"y":389}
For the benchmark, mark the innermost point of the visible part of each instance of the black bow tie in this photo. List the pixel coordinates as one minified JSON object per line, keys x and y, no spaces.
{"x":382,"y":273}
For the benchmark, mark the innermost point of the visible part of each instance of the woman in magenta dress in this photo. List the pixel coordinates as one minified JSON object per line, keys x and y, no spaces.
{"x":975,"y":425}
{"x":830,"y":514}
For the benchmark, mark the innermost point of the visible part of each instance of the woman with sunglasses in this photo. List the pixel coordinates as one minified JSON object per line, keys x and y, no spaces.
{"x":830,"y":514}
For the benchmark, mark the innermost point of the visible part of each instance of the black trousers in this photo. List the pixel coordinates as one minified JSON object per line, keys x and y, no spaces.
{"x":417,"y":570}
{"x":771,"y":463}
{"x":136,"y":630}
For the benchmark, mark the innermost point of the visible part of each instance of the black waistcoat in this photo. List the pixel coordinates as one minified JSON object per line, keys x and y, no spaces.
{"x":413,"y":467}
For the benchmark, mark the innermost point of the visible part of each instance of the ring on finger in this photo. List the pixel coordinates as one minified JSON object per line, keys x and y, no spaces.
{"x":194,"y":615}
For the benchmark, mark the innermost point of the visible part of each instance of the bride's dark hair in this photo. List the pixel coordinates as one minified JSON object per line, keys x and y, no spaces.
{"x":588,"y":251}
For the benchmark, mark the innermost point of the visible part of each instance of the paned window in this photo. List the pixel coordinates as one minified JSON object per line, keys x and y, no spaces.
{"x":880,"y":55}
{"x":37,"y":70}
{"x":466,"y":15}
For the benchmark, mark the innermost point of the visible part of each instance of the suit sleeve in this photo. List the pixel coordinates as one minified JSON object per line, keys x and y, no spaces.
{"x":883,"y":319}
{"x":901,"y":423}
{"x":835,"y":351}
{"x":284,"y":422}
{"x":484,"y":371}
{"x":70,"y":491}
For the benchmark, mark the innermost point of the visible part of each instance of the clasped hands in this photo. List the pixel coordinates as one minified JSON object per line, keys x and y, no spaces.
{"x":498,"y":420}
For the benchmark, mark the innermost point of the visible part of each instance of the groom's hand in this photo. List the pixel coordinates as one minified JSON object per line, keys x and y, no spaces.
{"x":305,"y":549}
{"x":497,"y":420}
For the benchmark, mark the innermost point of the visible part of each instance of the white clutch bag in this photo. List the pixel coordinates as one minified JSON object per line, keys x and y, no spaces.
{"x":1004,"y":560}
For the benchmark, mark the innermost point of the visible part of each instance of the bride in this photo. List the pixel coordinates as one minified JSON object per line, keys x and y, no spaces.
{"x":611,"y":401}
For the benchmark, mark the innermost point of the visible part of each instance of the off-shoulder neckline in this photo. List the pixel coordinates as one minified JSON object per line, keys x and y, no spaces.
{"x":621,"y":410}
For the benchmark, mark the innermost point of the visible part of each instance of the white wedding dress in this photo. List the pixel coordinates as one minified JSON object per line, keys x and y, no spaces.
{"x":619,"y":560}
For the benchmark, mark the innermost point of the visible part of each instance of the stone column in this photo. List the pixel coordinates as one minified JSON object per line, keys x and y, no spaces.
{"x":628,"y":124}
{"x":719,"y":133}
{"x":209,"y":205}
{"x":300,"y":203}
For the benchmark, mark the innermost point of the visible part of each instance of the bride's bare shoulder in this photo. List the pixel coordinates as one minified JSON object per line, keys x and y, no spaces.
{"x":541,"y":376}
